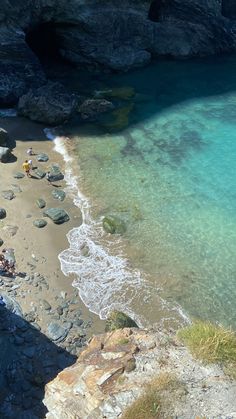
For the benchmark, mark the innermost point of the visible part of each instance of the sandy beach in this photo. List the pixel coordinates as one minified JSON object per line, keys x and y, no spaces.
{"x":44,"y":293}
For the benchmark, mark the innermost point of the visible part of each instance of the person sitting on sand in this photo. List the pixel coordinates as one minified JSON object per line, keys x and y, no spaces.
{"x":30,"y":151}
{"x":26,"y":168}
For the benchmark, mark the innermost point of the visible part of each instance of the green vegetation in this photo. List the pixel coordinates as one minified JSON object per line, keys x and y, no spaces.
{"x":151,"y":403}
{"x":209,"y":342}
{"x":118,"y":320}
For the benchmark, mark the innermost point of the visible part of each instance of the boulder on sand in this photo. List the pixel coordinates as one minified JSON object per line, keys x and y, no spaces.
{"x":4,"y":138}
{"x":5,"y":154}
{"x":57,"y":215}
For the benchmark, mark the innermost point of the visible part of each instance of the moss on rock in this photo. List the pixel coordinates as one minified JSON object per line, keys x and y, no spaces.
{"x":118,"y":320}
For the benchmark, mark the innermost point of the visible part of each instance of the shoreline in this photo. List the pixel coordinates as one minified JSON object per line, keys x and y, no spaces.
{"x":37,"y":249}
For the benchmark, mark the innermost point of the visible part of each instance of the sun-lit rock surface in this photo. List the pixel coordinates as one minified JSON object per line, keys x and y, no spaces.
{"x":112,"y":372}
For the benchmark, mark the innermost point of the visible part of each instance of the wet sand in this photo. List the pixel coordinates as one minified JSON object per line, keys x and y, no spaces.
{"x":37,"y":250}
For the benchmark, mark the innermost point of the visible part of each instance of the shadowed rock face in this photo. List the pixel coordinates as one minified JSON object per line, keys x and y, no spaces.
{"x":106,"y":34}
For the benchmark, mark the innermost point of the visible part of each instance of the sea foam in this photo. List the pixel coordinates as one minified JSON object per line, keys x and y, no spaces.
{"x":104,"y":277}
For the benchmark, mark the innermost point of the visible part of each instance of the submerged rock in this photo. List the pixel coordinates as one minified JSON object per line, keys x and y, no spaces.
{"x":50,"y":104}
{"x":57,"y":215}
{"x":58,"y":194}
{"x":119,"y":320}
{"x":40,"y":223}
{"x":92,"y":108}
{"x":1,"y":242}
{"x":113,"y":225}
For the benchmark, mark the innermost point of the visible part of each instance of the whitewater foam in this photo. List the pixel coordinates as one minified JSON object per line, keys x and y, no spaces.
{"x":105,"y":281}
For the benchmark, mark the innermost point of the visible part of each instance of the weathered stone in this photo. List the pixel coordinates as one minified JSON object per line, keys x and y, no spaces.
{"x":50,"y":104}
{"x":56,"y":332}
{"x":8,"y":195}
{"x":40,"y":223}
{"x":57,"y":215}
{"x":113,"y":225}
{"x":58,"y":194}
{"x":55,"y":174}
{"x":40,"y":173}
{"x":119,"y":320}
{"x":42,"y":157}
{"x":18,"y":175}
{"x":4,"y":138}
{"x":46,"y":305}
{"x":16,"y":188}
{"x":3,"y":213}
{"x":41,"y":203}
{"x":10,"y":230}
{"x":5,"y":154}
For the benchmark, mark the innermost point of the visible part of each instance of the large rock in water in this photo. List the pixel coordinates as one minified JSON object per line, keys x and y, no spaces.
{"x":119,"y":320}
{"x":92,"y":108}
{"x":50,"y":104}
{"x":57,"y":215}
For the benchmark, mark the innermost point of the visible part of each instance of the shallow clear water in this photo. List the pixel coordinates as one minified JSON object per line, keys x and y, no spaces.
{"x":170,"y":175}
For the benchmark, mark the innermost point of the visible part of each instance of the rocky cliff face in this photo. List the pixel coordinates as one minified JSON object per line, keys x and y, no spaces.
{"x":113,"y":371}
{"x":108,"y":34}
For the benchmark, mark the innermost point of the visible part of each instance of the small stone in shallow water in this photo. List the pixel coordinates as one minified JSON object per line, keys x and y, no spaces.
{"x":1,"y":242}
{"x":113,"y":225}
{"x":40,"y":223}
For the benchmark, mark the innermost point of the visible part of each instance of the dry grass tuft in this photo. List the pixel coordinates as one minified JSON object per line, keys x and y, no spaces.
{"x":209,"y":342}
{"x":149,"y":404}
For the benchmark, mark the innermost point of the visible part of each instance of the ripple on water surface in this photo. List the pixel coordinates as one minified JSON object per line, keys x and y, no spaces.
{"x":171,"y":176}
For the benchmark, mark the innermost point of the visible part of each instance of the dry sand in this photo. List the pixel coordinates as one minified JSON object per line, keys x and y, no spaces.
{"x":37,"y":250}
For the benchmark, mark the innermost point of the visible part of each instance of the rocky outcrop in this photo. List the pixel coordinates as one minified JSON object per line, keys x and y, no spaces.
{"x":50,"y":104}
{"x":4,"y":138}
{"x":107,"y":34}
{"x":115,"y":368}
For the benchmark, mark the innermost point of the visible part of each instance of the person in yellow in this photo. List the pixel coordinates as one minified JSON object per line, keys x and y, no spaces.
{"x":26,"y":168}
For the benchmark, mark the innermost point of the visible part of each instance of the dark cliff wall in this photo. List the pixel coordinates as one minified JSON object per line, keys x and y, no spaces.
{"x":108,"y":34}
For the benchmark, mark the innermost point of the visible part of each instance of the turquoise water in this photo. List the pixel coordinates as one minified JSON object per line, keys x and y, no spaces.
{"x":170,"y":175}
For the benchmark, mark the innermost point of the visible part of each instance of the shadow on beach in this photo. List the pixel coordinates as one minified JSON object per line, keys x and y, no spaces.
{"x":29,"y":360}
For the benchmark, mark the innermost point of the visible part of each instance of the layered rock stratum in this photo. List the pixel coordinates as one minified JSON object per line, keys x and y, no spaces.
{"x":115,"y":368}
